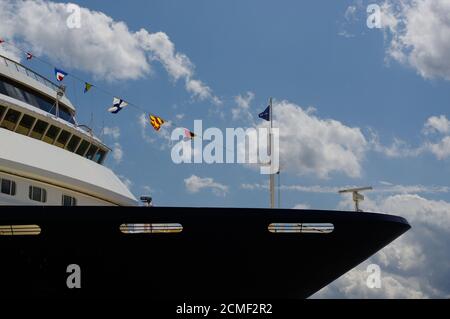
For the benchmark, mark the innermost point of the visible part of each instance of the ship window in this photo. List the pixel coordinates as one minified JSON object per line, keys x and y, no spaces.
{"x":25,"y":124}
{"x":51,"y":135}
{"x":62,"y":139}
{"x":68,"y":200}
{"x":305,"y":228}
{"x":37,"y":194}
{"x":100,"y":156}
{"x":10,"y":120}
{"x":39,"y":129}
{"x":151,"y":228}
{"x":92,"y":150}
{"x":19,"y":230}
{"x":82,"y":148}
{"x":73,"y":143}
{"x":8,"y":187}
{"x":2,"y":110}
{"x":27,"y":95}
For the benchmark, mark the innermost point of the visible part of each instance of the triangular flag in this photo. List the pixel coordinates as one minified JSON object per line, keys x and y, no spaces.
{"x":266,"y":114}
{"x":60,"y":74}
{"x":29,"y":56}
{"x":118,"y":105}
{"x":156,"y":122}
{"x":189,"y":134}
{"x":87,"y":87}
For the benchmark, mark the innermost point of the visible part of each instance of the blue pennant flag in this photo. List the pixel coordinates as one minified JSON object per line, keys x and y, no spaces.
{"x":266,"y":114}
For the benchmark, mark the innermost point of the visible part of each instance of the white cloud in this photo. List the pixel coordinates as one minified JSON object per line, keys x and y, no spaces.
{"x":400,"y":149}
{"x":419,"y":32}
{"x":241,"y":110}
{"x":114,"y":132}
{"x":442,"y":149}
{"x":439,"y":124}
{"x":144,"y":125}
{"x":103,"y":47}
{"x":311,"y":145}
{"x":417,"y":265}
{"x":117,"y":152}
{"x":194,"y":184}
{"x":128,"y":183}
{"x":387,"y":188}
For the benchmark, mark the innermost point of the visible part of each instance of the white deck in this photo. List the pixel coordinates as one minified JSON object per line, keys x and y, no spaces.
{"x":33,"y":159}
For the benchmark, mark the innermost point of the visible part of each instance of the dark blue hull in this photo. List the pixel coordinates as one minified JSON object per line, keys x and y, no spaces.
{"x":221,"y":252}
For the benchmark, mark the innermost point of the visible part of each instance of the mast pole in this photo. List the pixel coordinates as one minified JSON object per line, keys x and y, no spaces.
{"x":271,"y":176}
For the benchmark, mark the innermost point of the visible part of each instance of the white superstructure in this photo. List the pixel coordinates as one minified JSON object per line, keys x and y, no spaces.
{"x":46,"y":158}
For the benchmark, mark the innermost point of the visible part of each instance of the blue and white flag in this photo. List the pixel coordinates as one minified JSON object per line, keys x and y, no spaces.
{"x":118,"y":105}
{"x":60,"y":74}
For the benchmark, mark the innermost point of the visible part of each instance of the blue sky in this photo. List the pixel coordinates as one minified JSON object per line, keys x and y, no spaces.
{"x":373,"y":82}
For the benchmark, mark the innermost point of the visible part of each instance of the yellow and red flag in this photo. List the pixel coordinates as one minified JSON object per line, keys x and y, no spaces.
{"x":156,"y":122}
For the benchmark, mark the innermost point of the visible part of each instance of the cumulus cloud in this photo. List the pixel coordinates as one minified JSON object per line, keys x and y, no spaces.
{"x":117,"y":152}
{"x":417,"y":265}
{"x":243,"y":102}
{"x":386,"y":188}
{"x":312,"y":145}
{"x":101,"y":46}
{"x":114,"y":132}
{"x":439,"y":124}
{"x":418,"y":35}
{"x":194,"y":184}
{"x":439,"y":147}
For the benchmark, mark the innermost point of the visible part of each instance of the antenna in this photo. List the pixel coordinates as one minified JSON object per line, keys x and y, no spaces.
{"x":357,"y":197}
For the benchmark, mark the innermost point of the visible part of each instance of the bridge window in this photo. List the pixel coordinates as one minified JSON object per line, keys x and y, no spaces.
{"x":68,"y":200}
{"x":27,"y":95}
{"x":82,"y":148}
{"x":8,"y":187}
{"x":74,"y":141}
{"x":100,"y":156}
{"x":39,"y":129}
{"x":51,"y":135}
{"x":62,"y":139}
{"x":10,"y":120}
{"x":37,"y":194}
{"x":2,"y":110}
{"x":25,"y":125}
{"x":92,"y":150}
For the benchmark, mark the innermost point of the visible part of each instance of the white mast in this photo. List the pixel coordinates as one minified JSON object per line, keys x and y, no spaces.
{"x":272,"y":175}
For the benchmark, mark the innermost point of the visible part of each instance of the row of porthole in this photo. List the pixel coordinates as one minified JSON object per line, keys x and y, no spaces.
{"x":307,"y":228}
{"x":35,"y":193}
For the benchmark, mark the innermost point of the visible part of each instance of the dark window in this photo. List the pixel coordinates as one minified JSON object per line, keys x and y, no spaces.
{"x":39,"y":129}
{"x":69,"y":200}
{"x":82,"y":148}
{"x":100,"y":156}
{"x":2,"y":110}
{"x":62,"y":139}
{"x":51,"y":135}
{"x":10,"y":120}
{"x":37,"y":194}
{"x":27,"y":95}
{"x":73,"y":143}
{"x":25,"y":125}
{"x":8,"y":187}
{"x":92,"y":150}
